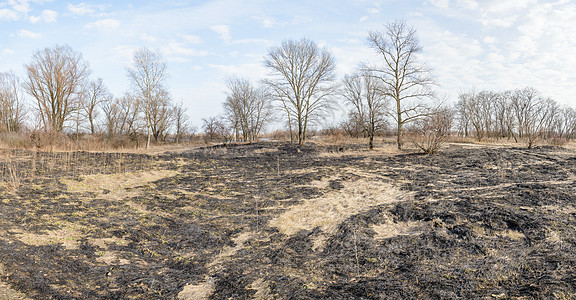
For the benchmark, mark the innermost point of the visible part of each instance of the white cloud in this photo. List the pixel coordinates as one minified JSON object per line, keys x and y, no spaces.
{"x":489,"y":40}
{"x":498,"y":22}
{"x":194,"y":39}
{"x":364,"y":19}
{"x":81,"y":9}
{"x":223,"y":31}
{"x":267,"y":22}
{"x":21,"y":6}
{"x":29,"y":34}
{"x":104,"y":24}
{"x":174,"y":48}
{"x":8,"y":15}
{"x":47,"y":16}
{"x":468,"y":4}
{"x":8,"y":52}
{"x":444,"y":4}
{"x":373,"y":11}
{"x":500,"y":6}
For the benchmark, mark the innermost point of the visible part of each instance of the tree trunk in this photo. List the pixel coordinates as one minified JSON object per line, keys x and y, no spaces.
{"x":371,"y":141}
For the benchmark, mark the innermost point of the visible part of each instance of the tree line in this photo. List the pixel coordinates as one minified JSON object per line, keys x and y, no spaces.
{"x":396,"y":96}
{"x":67,"y":99}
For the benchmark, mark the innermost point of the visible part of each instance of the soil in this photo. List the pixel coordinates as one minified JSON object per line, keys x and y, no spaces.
{"x":278,"y":221}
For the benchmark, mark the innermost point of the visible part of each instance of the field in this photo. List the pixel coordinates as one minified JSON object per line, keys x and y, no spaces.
{"x":277,"y":221}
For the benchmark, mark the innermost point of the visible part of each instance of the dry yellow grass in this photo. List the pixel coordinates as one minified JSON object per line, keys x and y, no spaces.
{"x":391,"y":229}
{"x":328,"y":211}
{"x":115,"y":184}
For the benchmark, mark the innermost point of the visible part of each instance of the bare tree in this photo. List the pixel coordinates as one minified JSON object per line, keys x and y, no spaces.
{"x":147,"y":75}
{"x":216,"y":130}
{"x":95,"y":94}
{"x":55,"y":78}
{"x":122,"y":116}
{"x":403,"y":79}
{"x":247,"y":108}
{"x":301,"y":78}
{"x":519,"y":114}
{"x":12,"y":111}
{"x":362,"y":92}
{"x":160,"y":114}
{"x":433,"y":130}
{"x":181,"y":119}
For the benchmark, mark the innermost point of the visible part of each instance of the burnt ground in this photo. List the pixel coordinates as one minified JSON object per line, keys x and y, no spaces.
{"x":274,"y":221}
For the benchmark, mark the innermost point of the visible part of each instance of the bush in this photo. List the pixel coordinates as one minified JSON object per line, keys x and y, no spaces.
{"x":432,"y":131}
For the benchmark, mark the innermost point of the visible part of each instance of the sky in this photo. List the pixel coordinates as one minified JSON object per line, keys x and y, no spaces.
{"x":468,"y":44}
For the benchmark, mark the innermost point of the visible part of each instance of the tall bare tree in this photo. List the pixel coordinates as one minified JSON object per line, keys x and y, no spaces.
{"x":95,"y":94}
{"x":403,"y":79}
{"x":362,"y":92}
{"x":55,"y":78}
{"x":160,"y":114}
{"x":147,"y":76}
{"x":181,"y":119}
{"x":301,"y":78}
{"x":123,"y":115}
{"x":12,"y":111}
{"x":247,"y":108}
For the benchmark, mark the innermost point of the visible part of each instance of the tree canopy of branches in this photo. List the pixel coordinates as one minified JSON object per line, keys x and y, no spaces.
{"x":362,"y":93}
{"x":95,"y":94}
{"x":55,"y":78}
{"x":181,"y":122}
{"x":147,"y":76}
{"x":215,"y":129}
{"x":301,"y":79}
{"x":403,"y":79}
{"x":433,"y":130}
{"x":518,"y":114}
{"x":247,"y":108}
{"x":11,"y":103}
{"x":122,"y":116}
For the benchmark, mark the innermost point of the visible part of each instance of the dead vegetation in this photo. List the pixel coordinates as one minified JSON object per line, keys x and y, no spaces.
{"x":277,"y":221}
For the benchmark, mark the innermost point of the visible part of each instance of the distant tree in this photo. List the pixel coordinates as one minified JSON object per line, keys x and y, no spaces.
{"x":147,"y":75}
{"x":160,"y":114}
{"x":353,"y":125}
{"x":56,"y":78}
{"x":12,"y":110}
{"x":181,"y":122}
{"x":95,"y":94}
{"x":403,"y":79}
{"x":122,"y":116}
{"x":363,"y":93}
{"x":533,"y":113}
{"x":302,"y":80}
{"x":215,"y":129}
{"x":433,"y":130}
{"x":247,"y":108}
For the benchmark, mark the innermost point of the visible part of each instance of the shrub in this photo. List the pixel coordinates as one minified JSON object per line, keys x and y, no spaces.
{"x":432,"y":131}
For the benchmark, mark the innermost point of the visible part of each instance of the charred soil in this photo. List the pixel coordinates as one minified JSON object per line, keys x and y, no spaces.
{"x":277,"y":221}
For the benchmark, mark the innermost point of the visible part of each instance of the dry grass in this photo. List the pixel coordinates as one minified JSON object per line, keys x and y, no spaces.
{"x":115,"y":185}
{"x":197,"y":292}
{"x":68,"y":237}
{"x":391,"y":229}
{"x":204,"y":289}
{"x":328,"y":211}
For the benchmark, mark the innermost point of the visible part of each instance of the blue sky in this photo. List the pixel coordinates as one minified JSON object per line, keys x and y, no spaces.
{"x":469,"y":44}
